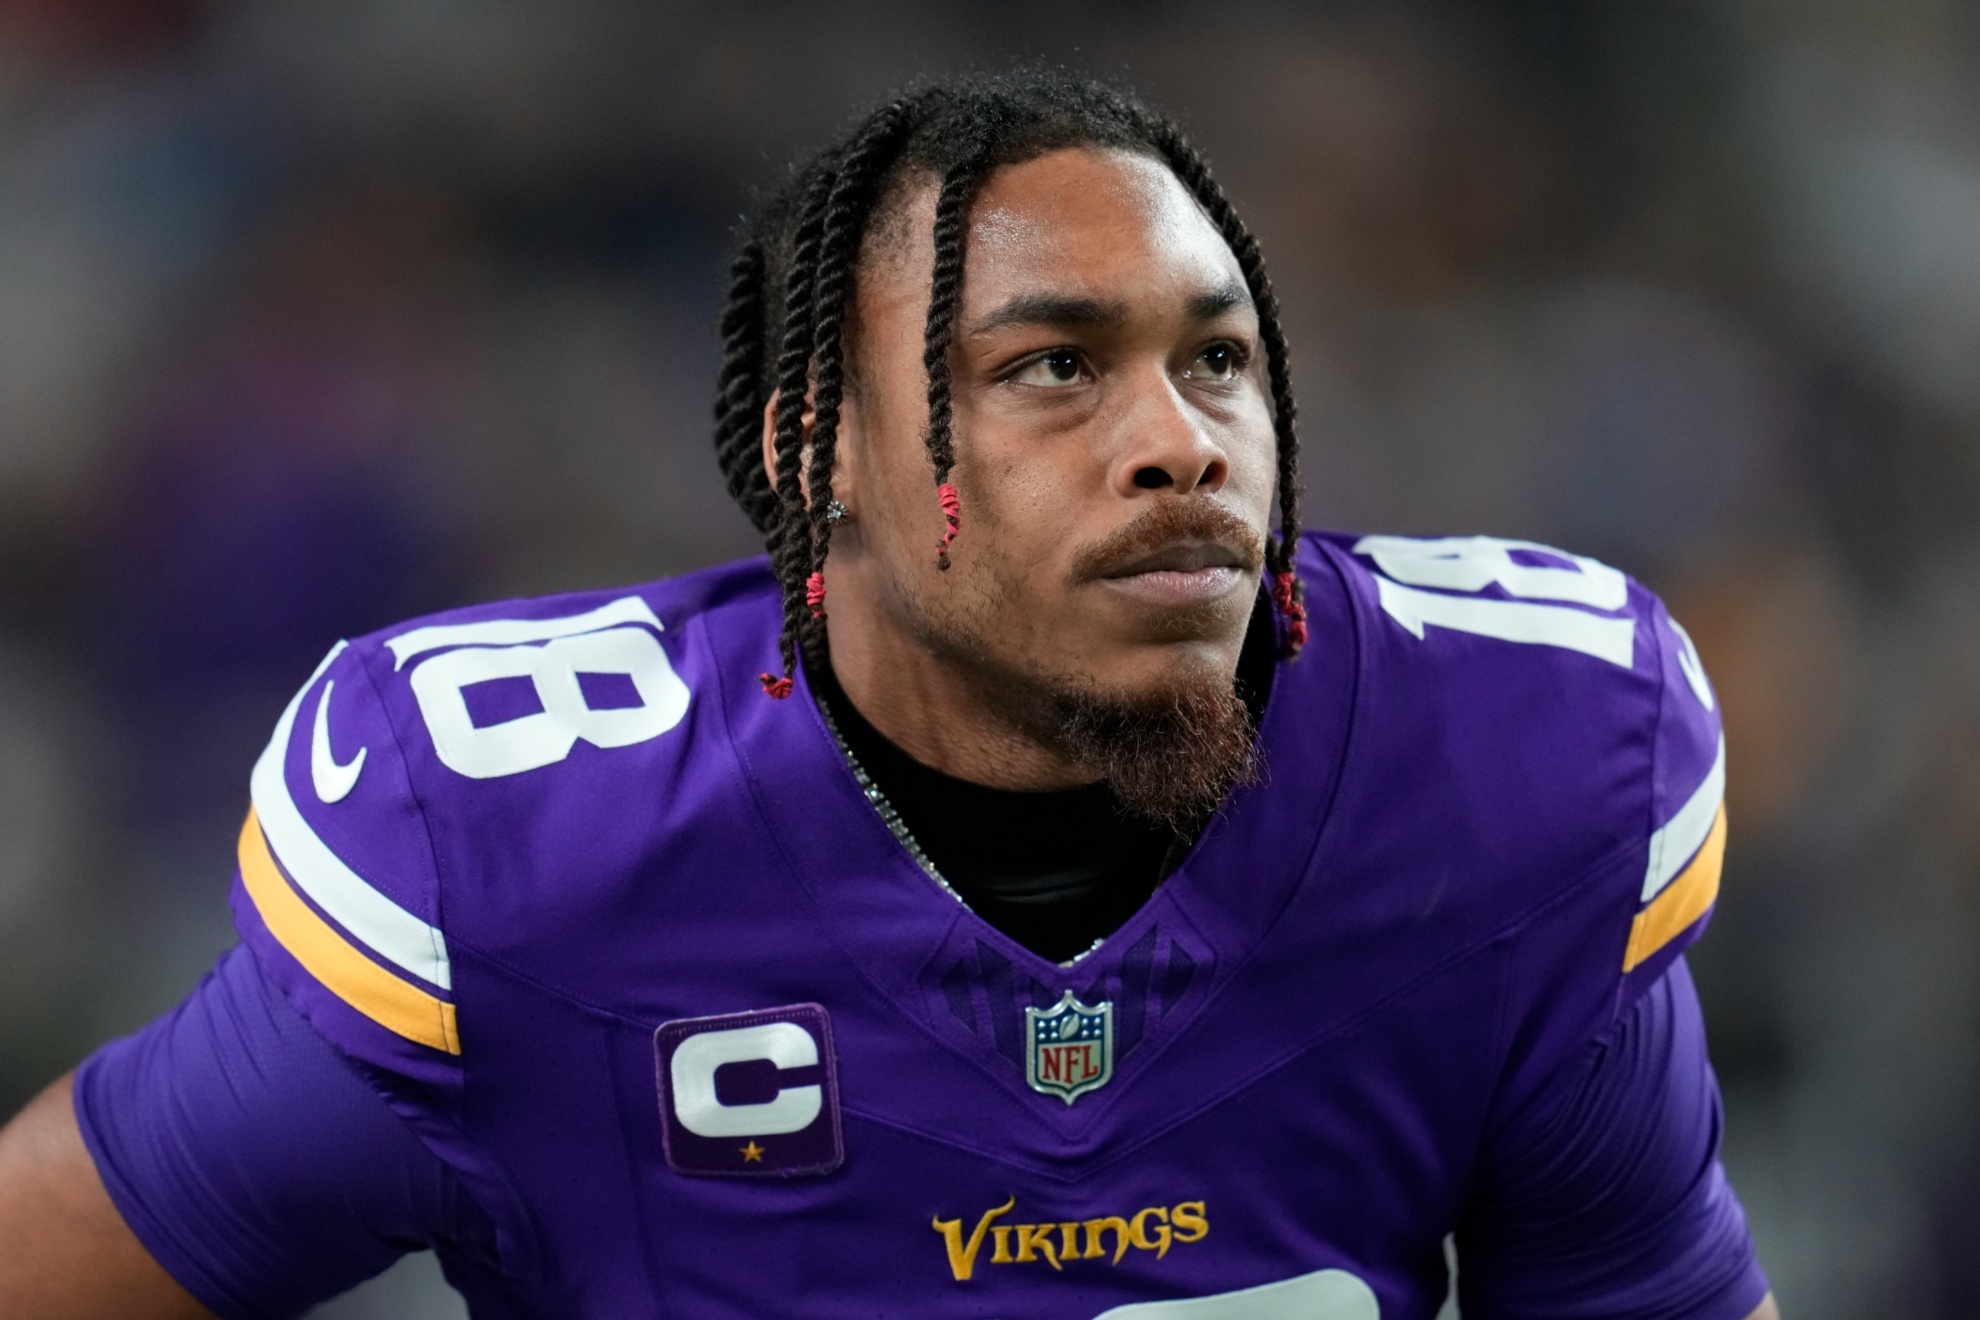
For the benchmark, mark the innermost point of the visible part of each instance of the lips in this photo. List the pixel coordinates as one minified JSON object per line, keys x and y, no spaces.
{"x":1163,"y":588}
{"x":1180,"y":557}
{"x":1179,"y":575}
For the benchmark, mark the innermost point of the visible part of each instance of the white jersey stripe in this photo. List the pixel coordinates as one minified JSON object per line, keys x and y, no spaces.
{"x":1322,"y":1295}
{"x":382,"y":925}
{"x":1678,"y":838}
{"x":511,"y":632}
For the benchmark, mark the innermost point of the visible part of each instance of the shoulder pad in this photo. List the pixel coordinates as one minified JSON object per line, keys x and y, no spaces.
{"x":407,"y":760}
{"x":1581,"y":744}
{"x":1569,"y":661}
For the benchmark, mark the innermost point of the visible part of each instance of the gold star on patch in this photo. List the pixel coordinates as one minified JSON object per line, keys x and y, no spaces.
{"x":752,"y":1153}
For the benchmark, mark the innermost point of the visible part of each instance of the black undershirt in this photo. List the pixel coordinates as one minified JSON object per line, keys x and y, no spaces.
{"x":1055,"y":871}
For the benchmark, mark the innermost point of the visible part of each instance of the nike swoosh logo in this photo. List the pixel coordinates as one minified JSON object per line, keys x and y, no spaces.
{"x":333,"y":782}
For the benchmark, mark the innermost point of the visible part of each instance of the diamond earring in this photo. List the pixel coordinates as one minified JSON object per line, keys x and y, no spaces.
{"x":836,"y":513}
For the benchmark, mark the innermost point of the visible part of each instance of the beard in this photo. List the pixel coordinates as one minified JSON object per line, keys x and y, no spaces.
{"x":1170,"y":753}
{"x":1171,"y":757}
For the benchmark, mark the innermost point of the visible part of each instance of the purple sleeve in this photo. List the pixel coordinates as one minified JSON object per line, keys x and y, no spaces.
{"x":1604,"y":1195}
{"x":253,"y":1161}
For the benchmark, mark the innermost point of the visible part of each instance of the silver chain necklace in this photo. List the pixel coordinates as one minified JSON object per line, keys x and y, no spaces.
{"x":898,"y":827}
{"x":888,"y":816}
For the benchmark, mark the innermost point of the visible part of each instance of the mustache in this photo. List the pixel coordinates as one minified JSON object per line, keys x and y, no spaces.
{"x":1170,"y":522}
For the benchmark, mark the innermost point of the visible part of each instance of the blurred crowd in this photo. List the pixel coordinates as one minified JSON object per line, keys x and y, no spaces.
{"x":317,"y":315}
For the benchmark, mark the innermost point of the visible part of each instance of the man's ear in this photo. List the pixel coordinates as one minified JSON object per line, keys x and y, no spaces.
{"x":843,"y":469}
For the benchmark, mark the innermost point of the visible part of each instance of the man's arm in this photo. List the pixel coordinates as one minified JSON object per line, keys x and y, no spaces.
{"x":65,"y":1252}
{"x":1603,"y":1194}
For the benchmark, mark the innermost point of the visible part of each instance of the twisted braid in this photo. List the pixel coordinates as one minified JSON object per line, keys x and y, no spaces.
{"x":1189,"y":166}
{"x":790,"y":549}
{"x":738,"y":399}
{"x":959,"y":186}
{"x":847,"y":210}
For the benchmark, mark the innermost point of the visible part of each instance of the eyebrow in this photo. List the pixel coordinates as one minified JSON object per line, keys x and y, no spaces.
{"x":1052,"y":309}
{"x":1208,"y":306}
{"x":1063,"y":310}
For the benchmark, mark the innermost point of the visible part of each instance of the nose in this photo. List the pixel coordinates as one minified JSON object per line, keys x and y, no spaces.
{"x":1168,"y":447}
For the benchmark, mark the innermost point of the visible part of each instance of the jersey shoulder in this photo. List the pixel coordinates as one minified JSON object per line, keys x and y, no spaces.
{"x":412,"y":754}
{"x":1579,"y":763}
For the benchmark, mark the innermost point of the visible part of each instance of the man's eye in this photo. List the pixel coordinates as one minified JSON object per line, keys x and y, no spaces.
{"x":1059,"y":367}
{"x":1218,"y":362}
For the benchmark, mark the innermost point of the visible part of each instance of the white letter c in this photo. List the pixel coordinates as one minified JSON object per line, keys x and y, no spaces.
{"x":692,"y":1071}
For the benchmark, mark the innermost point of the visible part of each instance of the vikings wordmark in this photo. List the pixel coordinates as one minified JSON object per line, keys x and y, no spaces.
{"x":1155,"y":1228}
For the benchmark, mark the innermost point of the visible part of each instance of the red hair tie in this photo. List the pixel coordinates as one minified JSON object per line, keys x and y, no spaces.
{"x":773,"y":687}
{"x":814,"y":594}
{"x":1285,"y":594}
{"x":952,"y":512}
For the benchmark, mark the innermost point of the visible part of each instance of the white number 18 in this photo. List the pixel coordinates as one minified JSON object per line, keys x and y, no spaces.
{"x":1472,"y":563}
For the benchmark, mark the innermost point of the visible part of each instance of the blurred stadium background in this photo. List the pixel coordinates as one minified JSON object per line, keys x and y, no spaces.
{"x":314,"y":315}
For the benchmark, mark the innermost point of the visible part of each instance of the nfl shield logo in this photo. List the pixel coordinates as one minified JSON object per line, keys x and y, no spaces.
{"x":1069,"y":1047}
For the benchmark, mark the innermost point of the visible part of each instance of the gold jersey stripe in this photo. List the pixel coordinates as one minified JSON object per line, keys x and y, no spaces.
{"x":331,"y":959}
{"x":1683,"y":901}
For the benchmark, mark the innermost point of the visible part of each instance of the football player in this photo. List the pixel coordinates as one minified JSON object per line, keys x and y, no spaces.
{"x":1051,"y":885}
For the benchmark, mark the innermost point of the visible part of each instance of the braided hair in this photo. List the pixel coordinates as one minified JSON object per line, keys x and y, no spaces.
{"x":783,"y":331}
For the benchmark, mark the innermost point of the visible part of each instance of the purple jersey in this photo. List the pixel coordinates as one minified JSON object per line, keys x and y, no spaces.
{"x":629,"y":948}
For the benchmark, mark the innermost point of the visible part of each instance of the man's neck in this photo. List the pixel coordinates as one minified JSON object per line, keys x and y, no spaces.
{"x":940,"y":714}
{"x":1055,"y":871}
